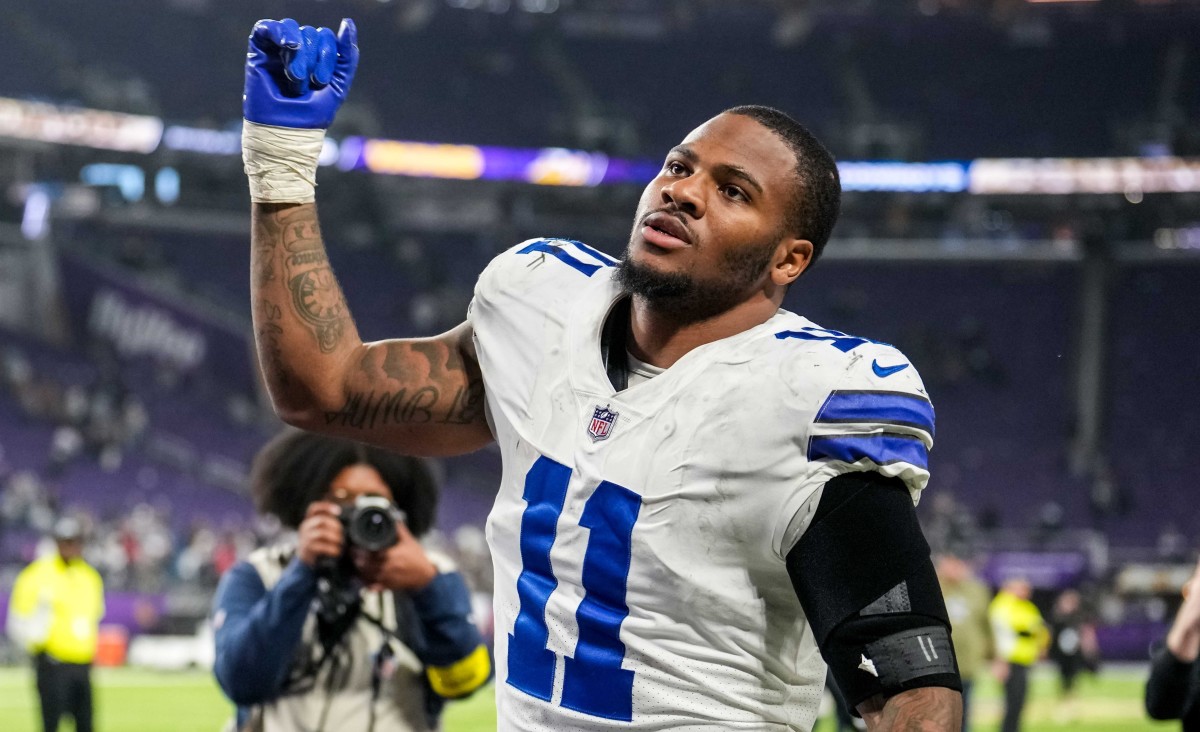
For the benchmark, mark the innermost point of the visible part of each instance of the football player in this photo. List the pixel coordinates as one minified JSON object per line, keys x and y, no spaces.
{"x":705,"y":498}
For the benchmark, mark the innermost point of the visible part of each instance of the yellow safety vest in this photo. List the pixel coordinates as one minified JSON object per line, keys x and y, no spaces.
{"x":1019,"y":631}
{"x":56,"y":608}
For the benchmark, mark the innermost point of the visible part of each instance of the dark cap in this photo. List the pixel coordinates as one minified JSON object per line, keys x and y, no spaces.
{"x":68,"y":529}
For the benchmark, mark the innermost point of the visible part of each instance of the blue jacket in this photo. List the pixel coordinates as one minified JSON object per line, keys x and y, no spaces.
{"x":257,"y":633}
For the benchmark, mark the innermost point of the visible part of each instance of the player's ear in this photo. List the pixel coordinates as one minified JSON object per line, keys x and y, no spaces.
{"x":792,"y":257}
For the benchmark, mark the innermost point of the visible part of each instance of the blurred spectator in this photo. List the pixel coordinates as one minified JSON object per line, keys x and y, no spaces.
{"x":197,"y":555}
{"x":225,"y":553}
{"x":1173,"y":689}
{"x":54,"y":613}
{"x":1048,"y":524}
{"x":1073,"y":648}
{"x":967,"y":605}
{"x":1172,"y":545}
{"x":149,"y":544}
{"x":1021,"y":639}
{"x":25,"y":502}
{"x":102,"y":419}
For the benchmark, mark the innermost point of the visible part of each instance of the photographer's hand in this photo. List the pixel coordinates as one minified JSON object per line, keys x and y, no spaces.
{"x":403,"y":567}
{"x":320,"y":533}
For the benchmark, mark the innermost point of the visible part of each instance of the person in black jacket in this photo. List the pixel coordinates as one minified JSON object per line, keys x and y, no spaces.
{"x":323,"y":634}
{"x":1173,"y":689}
{"x":1073,"y":648}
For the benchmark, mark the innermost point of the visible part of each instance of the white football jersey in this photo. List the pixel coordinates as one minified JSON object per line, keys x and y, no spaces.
{"x":639,"y":537}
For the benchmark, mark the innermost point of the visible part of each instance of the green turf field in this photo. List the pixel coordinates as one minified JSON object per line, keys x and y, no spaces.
{"x":131,"y":700}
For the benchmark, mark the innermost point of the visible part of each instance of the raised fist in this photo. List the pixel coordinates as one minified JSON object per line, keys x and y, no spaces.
{"x":298,"y":76}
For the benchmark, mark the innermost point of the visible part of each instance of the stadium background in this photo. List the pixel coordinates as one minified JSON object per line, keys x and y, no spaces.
{"x":1022,"y":218}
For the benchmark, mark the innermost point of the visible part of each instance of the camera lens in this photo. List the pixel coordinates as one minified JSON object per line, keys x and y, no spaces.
{"x":372,"y":527}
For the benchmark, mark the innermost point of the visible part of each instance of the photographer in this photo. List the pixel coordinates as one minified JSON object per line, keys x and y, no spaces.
{"x":353,"y":626}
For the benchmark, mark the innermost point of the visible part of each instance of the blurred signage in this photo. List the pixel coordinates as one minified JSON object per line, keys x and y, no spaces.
{"x":202,"y":140}
{"x":206,"y":141}
{"x":903,"y":177}
{"x":1045,"y":570}
{"x":1064,"y":176}
{"x":1132,"y":177}
{"x":419,"y":159}
{"x":1153,"y":578}
{"x":551,"y":166}
{"x":559,"y":167}
{"x":544,"y":166}
{"x":130,"y":180}
{"x":141,"y":324}
{"x":75,"y":126}
{"x":141,"y":329}
{"x":1184,"y":238}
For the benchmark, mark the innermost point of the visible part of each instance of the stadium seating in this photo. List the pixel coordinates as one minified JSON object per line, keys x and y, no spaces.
{"x":967,"y":328}
{"x":508,"y":80}
{"x":1153,"y":429}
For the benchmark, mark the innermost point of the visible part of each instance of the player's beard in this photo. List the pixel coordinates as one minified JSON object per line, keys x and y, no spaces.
{"x":685,"y":298}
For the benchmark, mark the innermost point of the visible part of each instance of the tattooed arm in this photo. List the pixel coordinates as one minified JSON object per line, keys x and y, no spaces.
{"x":928,"y":709}
{"x":418,"y":396}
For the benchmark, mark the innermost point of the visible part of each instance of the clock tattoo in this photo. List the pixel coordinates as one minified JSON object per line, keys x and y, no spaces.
{"x":318,"y":300}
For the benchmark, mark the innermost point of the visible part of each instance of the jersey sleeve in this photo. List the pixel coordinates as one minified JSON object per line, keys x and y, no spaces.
{"x":878,"y":418}
{"x":875,"y":417}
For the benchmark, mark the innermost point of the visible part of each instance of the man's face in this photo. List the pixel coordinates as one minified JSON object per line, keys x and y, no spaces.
{"x":70,"y":549}
{"x":1021,"y":588}
{"x":710,"y":226}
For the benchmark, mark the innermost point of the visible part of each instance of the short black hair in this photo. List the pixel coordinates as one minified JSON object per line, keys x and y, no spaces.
{"x":296,"y":468}
{"x":818,"y":196}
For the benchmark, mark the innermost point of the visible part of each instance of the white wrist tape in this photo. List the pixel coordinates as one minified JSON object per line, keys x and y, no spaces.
{"x":281,"y":162}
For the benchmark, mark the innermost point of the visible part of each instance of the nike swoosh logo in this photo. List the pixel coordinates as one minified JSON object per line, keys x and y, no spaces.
{"x":885,"y":371}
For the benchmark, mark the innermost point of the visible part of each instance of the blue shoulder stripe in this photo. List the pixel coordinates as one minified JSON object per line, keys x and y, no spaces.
{"x":561,"y":254}
{"x":882,"y":449}
{"x":878,"y":407}
{"x":547,"y":246}
{"x":839,"y":340}
{"x":599,"y":255}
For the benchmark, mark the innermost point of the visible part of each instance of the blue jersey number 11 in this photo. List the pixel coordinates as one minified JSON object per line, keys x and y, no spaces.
{"x":593,"y":681}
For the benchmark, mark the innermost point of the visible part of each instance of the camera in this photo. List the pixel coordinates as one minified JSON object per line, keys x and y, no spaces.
{"x":370,"y":523}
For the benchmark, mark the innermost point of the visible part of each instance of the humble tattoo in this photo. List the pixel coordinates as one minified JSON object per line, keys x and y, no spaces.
{"x":376,"y":409}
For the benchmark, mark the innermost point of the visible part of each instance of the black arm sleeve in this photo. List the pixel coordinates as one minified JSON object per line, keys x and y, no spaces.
{"x":1173,"y":686}
{"x":863,"y":575}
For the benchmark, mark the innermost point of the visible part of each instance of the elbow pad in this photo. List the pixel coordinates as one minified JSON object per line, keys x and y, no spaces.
{"x":863,"y":575}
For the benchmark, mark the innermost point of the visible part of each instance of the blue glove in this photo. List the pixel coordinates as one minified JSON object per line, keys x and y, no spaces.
{"x":298,"y":76}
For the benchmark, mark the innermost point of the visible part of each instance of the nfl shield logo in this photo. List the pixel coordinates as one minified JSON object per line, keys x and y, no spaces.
{"x":602,"y":423}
